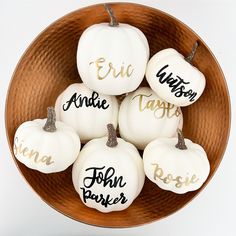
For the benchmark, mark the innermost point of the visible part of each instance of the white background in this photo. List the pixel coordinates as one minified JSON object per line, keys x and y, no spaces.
{"x":23,"y":213}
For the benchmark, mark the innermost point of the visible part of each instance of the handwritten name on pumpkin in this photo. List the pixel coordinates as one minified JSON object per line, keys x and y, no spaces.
{"x":160,"y":108}
{"x":79,"y":101}
{"x":176,"y":83}
{"x":169,"y":178}
{"x":105,"y":178}
{"x":104,"y":69}
{"x":20,"y":149}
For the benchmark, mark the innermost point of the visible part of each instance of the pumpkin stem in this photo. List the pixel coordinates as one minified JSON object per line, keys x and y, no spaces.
{"x":190,"y":57}
{"x":113,"y":21}
{"x":181,"y":144}
{"x":112,"y":138}
{"x":50,"y":125}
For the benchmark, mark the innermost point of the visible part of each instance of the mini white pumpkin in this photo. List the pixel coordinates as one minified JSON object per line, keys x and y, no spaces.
{"x":173,"y":77}
{"x":180,"y":167}
{"x":108,"y":174}
{"x":112,"y":58}
{"x":86,"y":111}
{"x":143,"y":117}
{"x":46,"y":145}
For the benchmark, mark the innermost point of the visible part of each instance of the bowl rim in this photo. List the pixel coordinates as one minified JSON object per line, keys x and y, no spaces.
{"x":35,"y":40}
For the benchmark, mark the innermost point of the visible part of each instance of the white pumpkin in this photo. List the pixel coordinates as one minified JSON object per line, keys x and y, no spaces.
{"x":46,"y":145}
{"x":173,"y":77}
{"x":108,"y":174}
{"x":143,"y":117}
{"x":179,"y":168}
{"x":112,"y":58}
{"x":86,"y":111}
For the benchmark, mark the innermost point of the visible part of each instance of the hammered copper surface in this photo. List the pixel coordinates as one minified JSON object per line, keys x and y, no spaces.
{"x":49,"y":66}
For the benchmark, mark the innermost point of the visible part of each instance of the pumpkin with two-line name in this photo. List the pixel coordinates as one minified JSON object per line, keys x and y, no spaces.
{"x":46,"y":145}
{"x":176,"y":164}
{"x":108,"y":174}
{"x":112,"y":58}
{"x":173,"y":77}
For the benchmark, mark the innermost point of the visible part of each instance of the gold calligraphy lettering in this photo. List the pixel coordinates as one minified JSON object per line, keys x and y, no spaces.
{"x":160,"y":108}
{"x":31,"y":154}
{"x":178,"y":180}
{"x":103,"y":70}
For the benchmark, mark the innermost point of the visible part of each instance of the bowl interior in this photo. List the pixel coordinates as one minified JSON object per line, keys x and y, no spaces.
{"x":49,"y":66}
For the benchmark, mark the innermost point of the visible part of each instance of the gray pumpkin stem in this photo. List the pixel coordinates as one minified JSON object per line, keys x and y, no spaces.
{"x":50,"y":125}
{"x":112,"y":138}
{"x":190,"y":57}
{"x":181,"y":143}
{"x":113,"y":21}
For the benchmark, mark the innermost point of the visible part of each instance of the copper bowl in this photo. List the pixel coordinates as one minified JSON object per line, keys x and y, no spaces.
{"x":49,"y":66}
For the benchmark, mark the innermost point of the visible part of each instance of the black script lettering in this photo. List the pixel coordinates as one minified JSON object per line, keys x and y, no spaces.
{"x":176,"y":84}
{"x":161,"y":75}
{"x":79,"y":101}
{"x":106,"y":179}
{"x":104,"y":201}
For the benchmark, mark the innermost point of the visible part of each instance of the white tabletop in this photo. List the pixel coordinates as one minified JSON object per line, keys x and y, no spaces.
{"x":23,"y":213}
